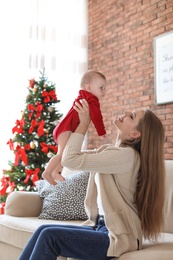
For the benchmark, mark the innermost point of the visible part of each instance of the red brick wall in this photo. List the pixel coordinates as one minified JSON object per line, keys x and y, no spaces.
{"x":121,"y":45}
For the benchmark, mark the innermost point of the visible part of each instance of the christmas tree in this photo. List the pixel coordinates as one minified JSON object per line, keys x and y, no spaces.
{"x":32,"y":141}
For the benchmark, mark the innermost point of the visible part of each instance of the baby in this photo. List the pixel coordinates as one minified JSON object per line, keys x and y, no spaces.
{"x":92,"y":88}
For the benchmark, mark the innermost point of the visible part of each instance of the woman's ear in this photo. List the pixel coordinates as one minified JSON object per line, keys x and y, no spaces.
{"x":136,"y":134}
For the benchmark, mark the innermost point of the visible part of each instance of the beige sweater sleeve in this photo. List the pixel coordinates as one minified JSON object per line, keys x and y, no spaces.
{"x":113,"y":159}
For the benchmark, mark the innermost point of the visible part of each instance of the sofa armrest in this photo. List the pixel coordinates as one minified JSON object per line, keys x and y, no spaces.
{"x":23,"y":204}
{"x":168,"y":210}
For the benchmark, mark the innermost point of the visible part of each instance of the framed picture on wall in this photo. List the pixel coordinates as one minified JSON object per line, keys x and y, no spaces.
{"x":163,"y":68}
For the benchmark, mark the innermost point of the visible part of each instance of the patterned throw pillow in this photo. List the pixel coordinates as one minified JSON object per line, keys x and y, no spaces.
{"x":64,"y":201}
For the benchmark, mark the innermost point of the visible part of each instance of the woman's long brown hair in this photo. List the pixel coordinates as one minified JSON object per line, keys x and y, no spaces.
{"x":149,"y":197}
{"x":150,"y":186}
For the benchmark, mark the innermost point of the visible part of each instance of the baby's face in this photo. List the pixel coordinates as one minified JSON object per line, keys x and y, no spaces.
{"x":98,"y":87}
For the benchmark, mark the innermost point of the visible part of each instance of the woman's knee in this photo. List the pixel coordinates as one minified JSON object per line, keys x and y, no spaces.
{"x":42,"y":227}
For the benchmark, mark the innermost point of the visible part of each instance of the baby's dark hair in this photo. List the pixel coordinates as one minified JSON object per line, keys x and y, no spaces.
{"x":89,"y":76}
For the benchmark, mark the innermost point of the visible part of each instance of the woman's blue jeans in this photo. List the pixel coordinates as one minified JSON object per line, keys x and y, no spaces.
{"x":80,"y":242}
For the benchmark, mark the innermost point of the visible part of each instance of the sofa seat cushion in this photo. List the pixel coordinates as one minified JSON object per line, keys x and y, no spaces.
{"x":154,"y":251}
{"x":16,"y":231}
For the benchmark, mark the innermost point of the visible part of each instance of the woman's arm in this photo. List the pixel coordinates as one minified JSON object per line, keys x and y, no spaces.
{"x":114,"y":160}
{"x":117,"y":160}
{"x":84,"y":116}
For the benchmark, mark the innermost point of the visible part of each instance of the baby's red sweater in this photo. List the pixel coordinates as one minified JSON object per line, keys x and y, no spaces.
{"x":71,"y":120}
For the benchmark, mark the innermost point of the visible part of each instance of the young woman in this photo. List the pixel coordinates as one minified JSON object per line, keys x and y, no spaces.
{"x":125,"y":194}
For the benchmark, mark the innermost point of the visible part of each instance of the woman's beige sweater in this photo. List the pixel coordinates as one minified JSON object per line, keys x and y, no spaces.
{"x":117,"y":169}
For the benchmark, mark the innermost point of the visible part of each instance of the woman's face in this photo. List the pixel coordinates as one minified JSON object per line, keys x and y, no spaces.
{"x":127,"y":123}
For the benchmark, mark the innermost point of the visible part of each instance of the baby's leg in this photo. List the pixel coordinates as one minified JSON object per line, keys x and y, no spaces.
{"x":54,"y":167}
{"x":52,"y":164}
{"x":62,"y":140}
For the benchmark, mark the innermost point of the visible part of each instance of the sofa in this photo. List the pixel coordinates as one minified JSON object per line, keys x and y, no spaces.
{"x":21,"y":219}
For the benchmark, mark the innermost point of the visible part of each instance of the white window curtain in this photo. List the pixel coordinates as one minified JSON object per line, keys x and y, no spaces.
{"x":38,"y":34}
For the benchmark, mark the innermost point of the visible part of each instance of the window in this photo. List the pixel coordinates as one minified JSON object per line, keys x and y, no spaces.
{"x":37,"y":34}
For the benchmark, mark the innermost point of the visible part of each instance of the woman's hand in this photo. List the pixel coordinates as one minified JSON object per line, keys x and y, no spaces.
{"x":84,"y":116}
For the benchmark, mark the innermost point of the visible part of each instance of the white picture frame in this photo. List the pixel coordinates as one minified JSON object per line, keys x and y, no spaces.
{"x":163,"y":68}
